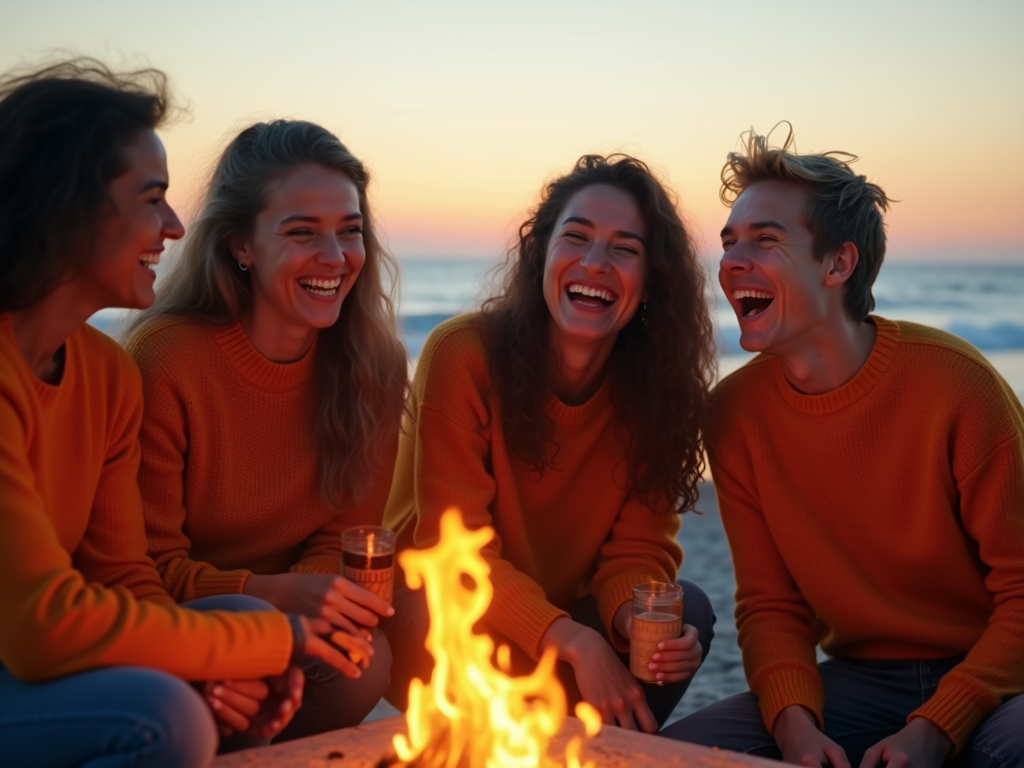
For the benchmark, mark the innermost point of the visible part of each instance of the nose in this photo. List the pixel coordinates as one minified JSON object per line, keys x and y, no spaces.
{"x":173,"y":229}
{"x":735,"y":260}
{"x":331,"y":252}
{"x":596,"y":260}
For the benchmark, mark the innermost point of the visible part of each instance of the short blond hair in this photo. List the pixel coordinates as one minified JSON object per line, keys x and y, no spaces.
{"x":842,"y":207}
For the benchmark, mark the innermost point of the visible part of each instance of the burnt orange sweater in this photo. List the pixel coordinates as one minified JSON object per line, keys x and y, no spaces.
{"x":77,"y":590}
{"x":563,"y":535}
{"x":884,"y":519}
{"x":229,"y":480}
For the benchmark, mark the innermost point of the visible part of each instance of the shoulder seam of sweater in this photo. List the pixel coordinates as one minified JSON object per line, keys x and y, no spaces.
{"x":1015,"y":437}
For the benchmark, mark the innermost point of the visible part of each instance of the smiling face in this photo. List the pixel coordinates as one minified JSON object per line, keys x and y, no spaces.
{"x":131,"y":237}
{"x":769,"y":273}
{"x":306,"y":250}
{"x":596,"y":267}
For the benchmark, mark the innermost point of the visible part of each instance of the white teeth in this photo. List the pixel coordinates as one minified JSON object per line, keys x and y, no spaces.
{"x":595,"y":293}
{"x":319,"y":286}
{"x":150,"y":258}
{"x":752,"y":295}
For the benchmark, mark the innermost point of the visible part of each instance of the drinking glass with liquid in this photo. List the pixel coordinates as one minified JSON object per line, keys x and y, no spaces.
{"x":368,"y":559}
{"x":657,"y":616}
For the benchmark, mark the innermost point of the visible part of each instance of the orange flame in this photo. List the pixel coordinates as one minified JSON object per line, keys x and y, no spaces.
{"x":472,"y":713}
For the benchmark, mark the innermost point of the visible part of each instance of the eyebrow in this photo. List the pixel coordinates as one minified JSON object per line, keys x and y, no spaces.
{"x":616,"y":233}
{"x":769,"y":224}
{"x":153,"y":184}
{"x":316,"y":219}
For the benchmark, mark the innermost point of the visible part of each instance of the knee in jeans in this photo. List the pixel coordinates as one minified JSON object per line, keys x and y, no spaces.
{"x":232,"y":603}
{"x":697,"y":611}
{"x":182,"y":721}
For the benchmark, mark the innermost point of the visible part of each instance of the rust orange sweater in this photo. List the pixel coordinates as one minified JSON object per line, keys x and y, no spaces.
{"x":884,"y":518}
{"x":569,"y":533}
{"x":77,"y":590}
{"x":229,"y":480}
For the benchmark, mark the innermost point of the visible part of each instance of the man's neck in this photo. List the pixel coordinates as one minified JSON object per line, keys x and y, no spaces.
{"x":829,"y":357}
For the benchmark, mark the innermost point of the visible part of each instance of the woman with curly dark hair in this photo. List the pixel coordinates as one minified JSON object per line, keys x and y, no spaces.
{"x":565,"y":415}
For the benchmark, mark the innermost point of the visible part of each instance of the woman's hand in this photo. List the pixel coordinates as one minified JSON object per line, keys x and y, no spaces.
{"x":677,"y":659}
{"x":802,"y":743}
{"x":308,"y":640}
{"x":602,"y":679}
{"x":258,"y":707}
{"x":323,"y":596}
{"x":919,"y":743}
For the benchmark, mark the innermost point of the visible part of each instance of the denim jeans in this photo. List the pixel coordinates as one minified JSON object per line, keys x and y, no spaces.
{"x":865,"y":701}
{"x":105,"y":718}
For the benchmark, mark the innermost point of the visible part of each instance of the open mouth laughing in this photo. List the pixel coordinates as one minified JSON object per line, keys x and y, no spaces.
{"x":149,"y":259}
{"x":323,"y":287}
{"x":588,"y":296}
{"x":752,"y":303}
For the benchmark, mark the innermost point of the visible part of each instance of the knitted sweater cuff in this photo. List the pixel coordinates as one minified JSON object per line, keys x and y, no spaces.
{"x":216,"y":582}
{"x":786,"y":686}
{"x":523,"y":619}
{"x":956,"y":710}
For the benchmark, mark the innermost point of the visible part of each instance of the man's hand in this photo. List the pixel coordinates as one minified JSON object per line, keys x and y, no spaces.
{"x":919,"y":744}
{"x":677,"y":659}
{"x":257,"y":707}
{"x":601,"y":677}
{"x":802,"y":743}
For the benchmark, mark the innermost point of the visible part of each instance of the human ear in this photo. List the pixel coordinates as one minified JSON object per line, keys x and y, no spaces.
{"x":242,"y":253}
{"x":843,"y":261}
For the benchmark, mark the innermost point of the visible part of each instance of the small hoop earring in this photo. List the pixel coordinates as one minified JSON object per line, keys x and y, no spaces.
{"x":242,"y":266}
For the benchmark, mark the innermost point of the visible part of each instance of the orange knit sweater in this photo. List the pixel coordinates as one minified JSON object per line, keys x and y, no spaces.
{"x":560,"y":536}
{"x":229,"y":481}
{"x":76,"y":588}
{"x":884,"y":519}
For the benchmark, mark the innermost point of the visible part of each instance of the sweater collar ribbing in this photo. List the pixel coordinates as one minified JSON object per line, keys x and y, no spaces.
{"x":561,"y":413}
{"x":882,"y":354}
{"x":257,"y":369}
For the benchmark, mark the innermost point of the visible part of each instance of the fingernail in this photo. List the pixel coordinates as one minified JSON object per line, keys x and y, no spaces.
{"x":656,"y":657}
{"x":661,"y":646}
{"x":652,"y":665}
{"x":276,"y":724}
{"x":391,"y":611}
{"x":215,"y":703}
{"x":660,"y":675}
{"x":218,"y":690}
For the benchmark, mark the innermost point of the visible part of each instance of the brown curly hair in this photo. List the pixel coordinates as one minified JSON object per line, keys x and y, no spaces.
{"x":662,"y":365}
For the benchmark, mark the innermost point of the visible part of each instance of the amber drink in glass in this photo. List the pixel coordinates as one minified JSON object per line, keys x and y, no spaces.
{"x":657,"y":616}
{"x":368,"y":559}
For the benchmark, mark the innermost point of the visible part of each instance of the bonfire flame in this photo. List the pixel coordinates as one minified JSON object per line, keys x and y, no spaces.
{"x":472,"y":714}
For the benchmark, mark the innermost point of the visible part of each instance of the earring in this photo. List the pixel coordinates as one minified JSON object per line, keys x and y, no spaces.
{"x":242,"y":266}
{"x":643,"y":312}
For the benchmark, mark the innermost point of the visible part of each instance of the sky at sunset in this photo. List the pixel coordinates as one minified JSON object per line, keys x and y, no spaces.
{"x":463,"y":109}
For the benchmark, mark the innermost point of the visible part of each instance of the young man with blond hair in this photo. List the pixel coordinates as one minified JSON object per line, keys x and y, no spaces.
{"x":870,"y":476}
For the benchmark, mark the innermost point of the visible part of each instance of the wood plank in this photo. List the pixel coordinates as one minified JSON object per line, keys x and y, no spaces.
{"x":365,"y":745}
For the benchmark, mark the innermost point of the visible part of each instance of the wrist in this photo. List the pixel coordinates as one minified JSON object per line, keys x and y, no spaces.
{"x":793,"y":719}
{"x":261,"y":586}
{"x":568,"y":638}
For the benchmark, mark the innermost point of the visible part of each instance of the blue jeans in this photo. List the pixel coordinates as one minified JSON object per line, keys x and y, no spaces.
{"x":119,"y":716}
{"x":865,"y":701}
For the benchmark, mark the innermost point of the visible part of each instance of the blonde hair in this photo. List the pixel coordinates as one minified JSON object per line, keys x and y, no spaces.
{"x":842,"y":206}
{"x":361,"y":369}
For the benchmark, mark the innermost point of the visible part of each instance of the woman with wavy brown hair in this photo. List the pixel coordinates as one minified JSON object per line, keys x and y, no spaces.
{"x":274,"y":380}
{"x":565,"y":414}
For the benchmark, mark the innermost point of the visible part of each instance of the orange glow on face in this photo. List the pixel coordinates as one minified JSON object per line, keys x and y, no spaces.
{"x":472,"y":713}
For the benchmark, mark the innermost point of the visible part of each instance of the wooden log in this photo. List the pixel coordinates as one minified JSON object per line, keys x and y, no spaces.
{"x":365,"y":746}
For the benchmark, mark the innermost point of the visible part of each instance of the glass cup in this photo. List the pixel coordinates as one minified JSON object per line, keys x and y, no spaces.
{"x":657,"y":616}
{"x":368,"y":559}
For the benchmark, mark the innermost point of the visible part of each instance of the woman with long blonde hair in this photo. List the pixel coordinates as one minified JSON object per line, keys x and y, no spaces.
{"x":274,"y":380}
